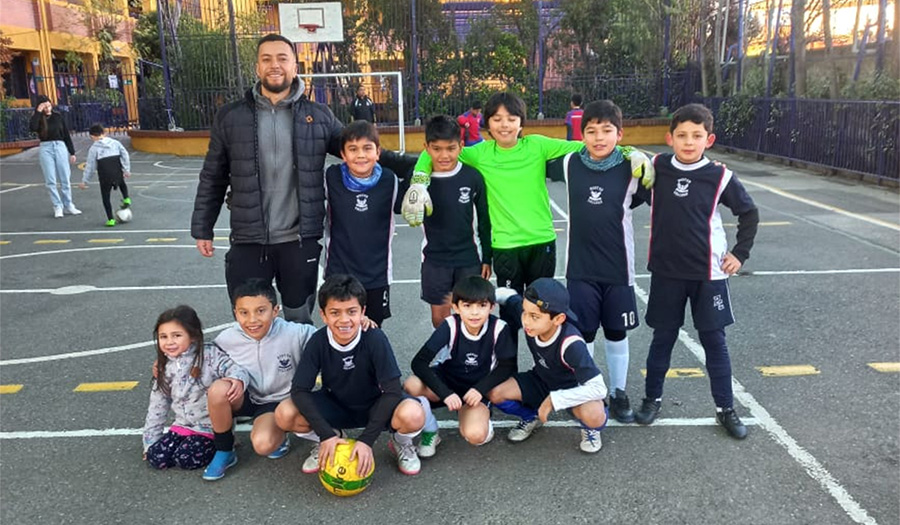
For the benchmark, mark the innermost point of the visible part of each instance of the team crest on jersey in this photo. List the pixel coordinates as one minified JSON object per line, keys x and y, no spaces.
{"x":465,"y":195}
{"x":348,"y":362}
{"x":595,"y":195}
{"x":543,"y":363}
{"x":471,"y":359}
{"x":284,"y":363}
{"x":362,"y":202}
{"x":681,"y":187}
{"x":718,"y":303}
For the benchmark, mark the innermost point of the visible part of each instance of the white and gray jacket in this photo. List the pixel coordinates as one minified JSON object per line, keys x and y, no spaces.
{"x":103,"y":148}
{"x":187,"y":395}
{"x":271,"y":361}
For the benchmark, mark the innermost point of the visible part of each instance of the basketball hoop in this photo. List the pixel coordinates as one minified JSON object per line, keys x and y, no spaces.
{"x":310,"y":28}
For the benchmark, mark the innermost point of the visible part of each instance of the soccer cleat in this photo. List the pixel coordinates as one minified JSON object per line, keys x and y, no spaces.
{"x":222,"y":461}
{"x":407,"y":460}
{"x":311,"y":464}
{"x":428,"y":444}
{"x":620,"y":407}
{"x":72,"y":210}
{"x":590,"y":441}
{"x":110,"y":223}
{"x":283,"y":449}
{"x":57,"y":213}
{"x":648,"y":412}
{"x":126,"y":202}
{"x":732,"y":423}
{"x":523,"y":430}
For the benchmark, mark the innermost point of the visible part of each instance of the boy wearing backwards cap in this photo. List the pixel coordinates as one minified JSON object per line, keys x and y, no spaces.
{"x":564,"y":374}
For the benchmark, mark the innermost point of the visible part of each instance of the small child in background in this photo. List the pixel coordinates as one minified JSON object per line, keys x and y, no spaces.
{"x":564,"y":374}
{"x":457,"y":240}
{"x":185,"y":368}
{"x":470,"y":124}
{"x":109,"y":158}
{"x":573,"y":118}
{"x":482,"y":355}
{"x":361,"y":197}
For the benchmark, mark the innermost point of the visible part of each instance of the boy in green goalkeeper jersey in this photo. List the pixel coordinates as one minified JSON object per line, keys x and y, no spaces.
{"x":514,"y":170}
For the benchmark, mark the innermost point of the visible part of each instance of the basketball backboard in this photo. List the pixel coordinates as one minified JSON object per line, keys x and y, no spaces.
{"x":312,"y":22}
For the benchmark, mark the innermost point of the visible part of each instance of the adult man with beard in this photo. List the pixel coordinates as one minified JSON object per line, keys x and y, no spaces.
{"x":270,"y":149}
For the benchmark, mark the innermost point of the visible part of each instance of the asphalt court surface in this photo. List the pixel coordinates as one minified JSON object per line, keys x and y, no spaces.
{"x":814,"y":352}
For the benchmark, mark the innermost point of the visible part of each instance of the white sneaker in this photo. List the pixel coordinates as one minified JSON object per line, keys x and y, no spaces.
{"x":311,"y":464}
{"x":407,"y":460}
{"x":72,"y":210}
{"x":590,"y":441}
{"x":523,"y":430}
{"x":428,"y":444}
{"x":57,"y":213}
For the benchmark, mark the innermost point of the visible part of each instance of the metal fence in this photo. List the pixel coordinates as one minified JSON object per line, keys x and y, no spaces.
{"x":856,"y":136}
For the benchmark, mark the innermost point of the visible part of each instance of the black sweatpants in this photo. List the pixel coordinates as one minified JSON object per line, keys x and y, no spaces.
{"x":107,"y":184}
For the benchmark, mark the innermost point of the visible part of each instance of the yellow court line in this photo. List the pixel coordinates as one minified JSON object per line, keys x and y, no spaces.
{"x":105,"y":241}
{"x":220,"y":238}
{"x":52,"y":241}
{"x":10,"y":389}
{"x":885,"y":367}
{"x":679,"y":372}
{"x":106,"y":387}
{"x":162,"y":239}
{"x":788,"y":370}
{"x":5,"y":242}
{"x":734,"y":224}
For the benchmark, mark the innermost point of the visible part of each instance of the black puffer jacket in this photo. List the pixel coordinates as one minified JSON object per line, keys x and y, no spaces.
{"x":232,"y":160}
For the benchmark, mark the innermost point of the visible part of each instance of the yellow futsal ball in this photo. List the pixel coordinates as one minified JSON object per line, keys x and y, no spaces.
{"x":339,"y":477}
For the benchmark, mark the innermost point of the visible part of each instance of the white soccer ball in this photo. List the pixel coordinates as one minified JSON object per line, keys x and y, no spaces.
{"x":124,"y":215}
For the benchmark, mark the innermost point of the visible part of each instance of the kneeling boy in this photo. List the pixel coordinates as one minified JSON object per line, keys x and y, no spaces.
{"x":564,"y":374}
{"x":482,"y":355}
{"x":360,"y":386}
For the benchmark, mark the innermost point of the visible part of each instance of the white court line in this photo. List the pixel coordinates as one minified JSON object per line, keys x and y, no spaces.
{"x":810,"y":464}
{"x":442,"y":423}
{"x":78,"y":289}
{"x":96,"y":248}
{"x":99,"y":351}
{"x":160,"y":165}
{"x":108,"y":232}
{"x":17,"y":188}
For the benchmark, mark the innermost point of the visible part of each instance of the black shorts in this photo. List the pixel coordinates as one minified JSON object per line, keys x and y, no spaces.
{"x":293,"y":265}
{"x":458,"y":387}
{"x":611,"y":306}
{"x":378,"y":304}
{"x":710,"y":303}
{"x":251,"y":409}
{"x":534,"y":389}
{"x":518,"y":267}
{"x":339,"y":416}
{"x":438,"y":281}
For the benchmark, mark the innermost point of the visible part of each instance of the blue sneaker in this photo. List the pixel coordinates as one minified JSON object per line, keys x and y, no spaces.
{"x":282,"y":451}
{"x":221,"y":462}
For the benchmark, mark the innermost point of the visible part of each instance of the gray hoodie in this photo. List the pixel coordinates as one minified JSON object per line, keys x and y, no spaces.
{"x":281,"y":207}
{"x":271,"y":361}
{"x":103,"y":148}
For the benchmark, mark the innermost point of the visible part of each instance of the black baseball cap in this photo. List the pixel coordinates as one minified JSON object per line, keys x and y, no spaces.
{"x":550,"y":296}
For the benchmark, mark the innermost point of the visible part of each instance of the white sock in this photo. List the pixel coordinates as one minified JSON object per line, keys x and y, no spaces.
{"x":431,"y":424}
{"x":405,"y":439}
{"x":617,"y":363}
{"x":490,"y":433}
{"x":590,"y":347}
{"x":310,"y":436}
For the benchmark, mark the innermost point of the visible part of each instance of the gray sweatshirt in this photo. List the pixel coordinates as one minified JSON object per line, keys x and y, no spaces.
{"x":276,"y":165}
{"x":271,"y":361}
{"x":103,"y":148}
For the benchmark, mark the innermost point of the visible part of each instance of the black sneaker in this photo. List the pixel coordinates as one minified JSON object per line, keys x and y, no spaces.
{"x":648,"y":412}
{"x":620,"y":407}
{"x":732,"y":423}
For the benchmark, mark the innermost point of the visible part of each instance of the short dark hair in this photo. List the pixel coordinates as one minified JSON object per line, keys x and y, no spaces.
{"x":476,"y":104}
{"x":602,"y":111}
{"x":96,"y":130}
{"x":576,"y":99}
{"x":254,"y":288}
{"x":442,"y":127}
{"x":359,"y":129}
{"x":473,"y":289}
{"x":273,"y":37}
{"x":513,"y":103}
{"x":696,"y":113}
{"x":341,"y":287}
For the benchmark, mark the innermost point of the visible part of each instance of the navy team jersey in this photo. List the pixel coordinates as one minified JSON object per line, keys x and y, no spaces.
{"x":564,"y":361}
{"x":687,"y":239}
{"x":471,"y":357}
{"x":359,"y":228}
{"x":353,"y":376}
{"x":600,"y":244}
{"x":458,"y":232}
